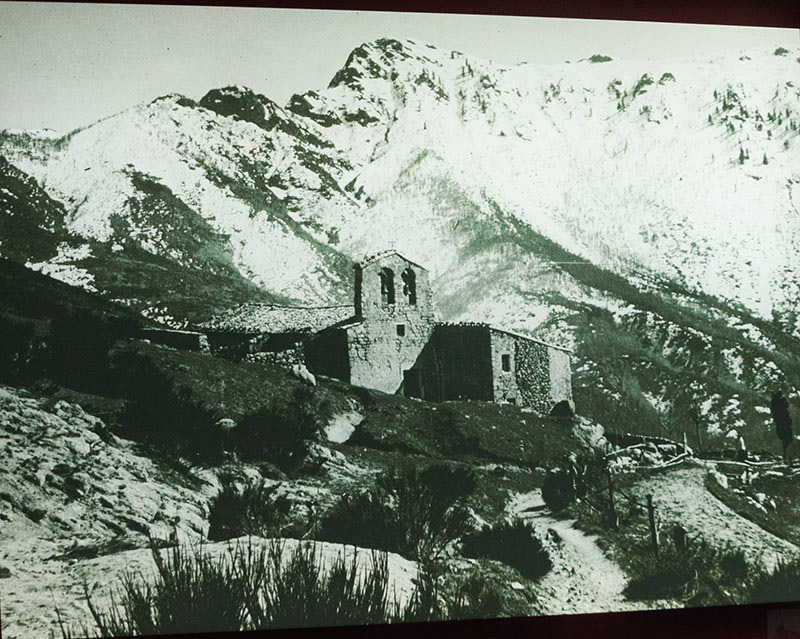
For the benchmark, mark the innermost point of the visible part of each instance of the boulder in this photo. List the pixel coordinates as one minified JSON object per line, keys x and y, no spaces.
{"x":301,"y":372}
{"x":718,"y":478}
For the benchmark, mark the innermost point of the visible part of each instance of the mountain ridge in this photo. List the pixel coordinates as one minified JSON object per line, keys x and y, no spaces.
{"x":570,"y":202}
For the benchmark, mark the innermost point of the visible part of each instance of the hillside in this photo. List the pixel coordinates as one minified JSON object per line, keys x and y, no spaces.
{"x":82,"y":497}
{"x":603,"y":204}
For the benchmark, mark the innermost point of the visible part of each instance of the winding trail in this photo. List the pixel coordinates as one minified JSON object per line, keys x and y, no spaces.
{"x":583,"y":579}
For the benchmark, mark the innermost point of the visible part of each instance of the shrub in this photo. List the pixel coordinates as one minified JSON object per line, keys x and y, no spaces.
{"x":438,"y":596}
{"x":698,"y":575}
{"x":557,"y":490}
{"x":191,"y":593}
{"x":164,"y":415}
{"x":472,"y":597}
{"x":87,"y":338}
{"x":781,"y":584}
{"x":261,"y":588}
{"x":173,"y":421}
{"x":280,"y":434}
{"x":298,"y":593}
{"x":413,"y":512}
{"x":449,"y":482}
{"x":253,"y":509}
{"x":363,"y":517}
{"x":514,"y":543}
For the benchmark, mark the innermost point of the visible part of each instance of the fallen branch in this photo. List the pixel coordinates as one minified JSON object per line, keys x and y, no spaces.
{"x":675,"y":461}
{"x":619,"y":451}
{"x":745,"y":464}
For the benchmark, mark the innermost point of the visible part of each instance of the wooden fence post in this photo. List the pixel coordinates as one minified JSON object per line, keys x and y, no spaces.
{"x":614,"y":516}
{"x":651,"y":516}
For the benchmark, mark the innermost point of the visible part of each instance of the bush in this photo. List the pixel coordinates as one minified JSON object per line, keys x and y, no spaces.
{"x":424,"y":520}
{"x":280,"y":434}
{"x":472,"y":597}
{"x":438,"y":596}
{"x":172,"y":421}
{"x":191,"y":593}
{"x":557,"y":490}
{"x":782,"y":584}
{"x":165,"y":416}
{"x":361,"y":519}
{"x":253,"y":509}
{"x":698,"y":575}
{"x":260,"y":588}
{"x":514,"y":543}
{"x":563,"y":486}
{"x":413,"y":512}
{"x":77,"y":336}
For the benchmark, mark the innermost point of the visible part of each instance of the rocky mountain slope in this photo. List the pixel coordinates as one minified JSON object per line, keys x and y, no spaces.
{"x":79,"y":505}
{"x":645,"y":213}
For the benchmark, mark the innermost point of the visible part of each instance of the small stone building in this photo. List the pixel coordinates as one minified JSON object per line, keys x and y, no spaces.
{"x":389,"y":340}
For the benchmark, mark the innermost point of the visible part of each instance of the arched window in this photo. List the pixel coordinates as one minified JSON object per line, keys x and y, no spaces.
{"x":387,"y":286}
{"x":410,"y":286}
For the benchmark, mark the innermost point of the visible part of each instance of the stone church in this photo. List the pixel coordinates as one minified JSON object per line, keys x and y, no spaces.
{"x":389,"y":340}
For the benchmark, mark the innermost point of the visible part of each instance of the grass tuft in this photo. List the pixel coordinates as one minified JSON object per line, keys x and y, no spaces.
{"x":416,"y":513}
{"x":252,"y":509}
{"x":781,"y":584}
{"x":514,"y":542}
{"x":252,"y":588}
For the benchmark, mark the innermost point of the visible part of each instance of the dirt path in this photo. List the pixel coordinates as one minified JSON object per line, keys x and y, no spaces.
{"x":681,"y":496}
{"x":582,"y":579}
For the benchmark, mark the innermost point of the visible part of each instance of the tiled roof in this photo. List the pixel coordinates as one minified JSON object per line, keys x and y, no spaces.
{"x":268,"y":318}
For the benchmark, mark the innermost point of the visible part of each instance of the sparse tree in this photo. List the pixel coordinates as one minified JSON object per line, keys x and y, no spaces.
{"x":765,"y":161}
{"x":779,"y":408}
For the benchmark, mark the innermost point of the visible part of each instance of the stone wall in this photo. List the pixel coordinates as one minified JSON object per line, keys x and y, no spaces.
{"x":285,"y":358}
{"x":539,"y":377}
{"x":504,"y":383}
{"x":533,"y":375}
{"x":378,"y":353}
{"x":183,"y":340}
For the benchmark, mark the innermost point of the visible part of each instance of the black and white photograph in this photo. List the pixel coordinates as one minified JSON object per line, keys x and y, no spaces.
{"x":325,"y":318}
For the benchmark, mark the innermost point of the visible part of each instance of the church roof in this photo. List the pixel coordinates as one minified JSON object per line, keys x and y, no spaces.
{"x":369,"y":259}
{"x":507,"y":332}
{"x":259,"y":318}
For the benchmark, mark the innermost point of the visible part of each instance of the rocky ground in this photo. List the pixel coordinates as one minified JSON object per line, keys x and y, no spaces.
{"x":681,"y":497}
{"x":78,"y":503}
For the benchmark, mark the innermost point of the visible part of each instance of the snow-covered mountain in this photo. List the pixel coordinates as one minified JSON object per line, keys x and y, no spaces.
{"x":582,"y":202}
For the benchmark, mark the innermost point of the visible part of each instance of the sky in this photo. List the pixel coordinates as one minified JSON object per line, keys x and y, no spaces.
{"x":65,"y":65}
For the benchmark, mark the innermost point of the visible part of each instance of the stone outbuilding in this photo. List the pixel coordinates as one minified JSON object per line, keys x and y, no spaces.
{"x":389,"y":340}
